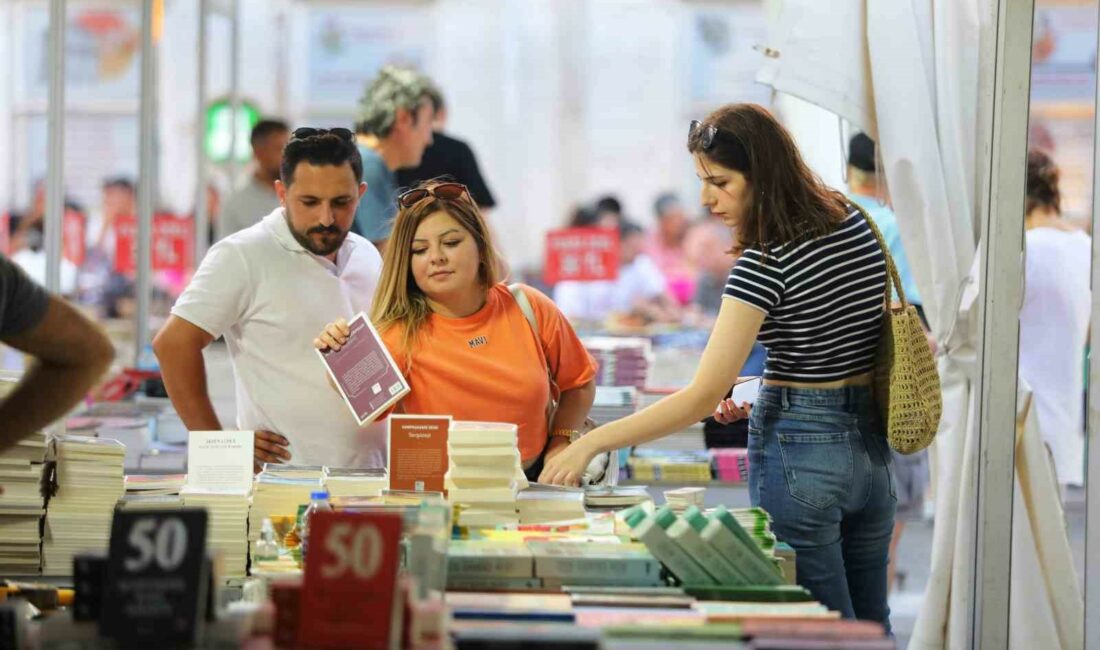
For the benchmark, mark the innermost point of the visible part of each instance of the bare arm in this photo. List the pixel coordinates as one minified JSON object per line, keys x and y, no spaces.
{"x":573,"y":408}
{"x":178,"y":347}
{"x":72,"y":353}
{"x":728,"y":348}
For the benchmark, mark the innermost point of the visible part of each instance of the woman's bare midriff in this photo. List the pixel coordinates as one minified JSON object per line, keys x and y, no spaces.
{"x":858,"y":380}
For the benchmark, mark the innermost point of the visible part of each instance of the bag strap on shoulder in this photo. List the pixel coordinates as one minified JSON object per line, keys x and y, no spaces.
{"x":892,"y":276}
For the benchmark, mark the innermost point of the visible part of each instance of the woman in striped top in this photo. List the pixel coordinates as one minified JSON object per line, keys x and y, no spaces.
{"x":809,"y":283}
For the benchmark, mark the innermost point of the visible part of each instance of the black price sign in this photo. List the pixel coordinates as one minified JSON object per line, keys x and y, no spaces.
{"x":156,"y":577}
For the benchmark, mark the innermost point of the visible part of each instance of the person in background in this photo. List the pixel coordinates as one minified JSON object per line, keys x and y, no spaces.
{"x":1054,"y":320}
{"x":71,"y":353}
{"x":639,"y":291}
{"x":269,"y":289}
{"x":460,"y":336}
{"x":809,"y":284}
{"x":394,"y":129}
{"x":249,"y":203}
{"x":28,"y":244}
{"x":609,"y":212}
{"x":666,"y":248}
{"x":867,"y":189}
{"x":448,"y":157}
{"x":707,"y":248}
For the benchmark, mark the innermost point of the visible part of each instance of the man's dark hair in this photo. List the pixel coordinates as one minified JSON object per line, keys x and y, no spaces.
{"x":628,"y":228}
{"x":265,"y":128}
{"x":609,"y":204}
{"x":323,"y":149}
{"x":435,"y":96}
{"x":119,"y":183}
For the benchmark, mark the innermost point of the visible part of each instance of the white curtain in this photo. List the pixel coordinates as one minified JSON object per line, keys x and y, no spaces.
{"x":908,"y":73}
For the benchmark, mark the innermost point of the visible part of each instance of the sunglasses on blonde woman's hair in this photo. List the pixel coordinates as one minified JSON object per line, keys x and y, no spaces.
{"x":445,"y":191}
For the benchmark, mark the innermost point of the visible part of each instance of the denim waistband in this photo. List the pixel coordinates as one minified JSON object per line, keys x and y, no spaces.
{"x":847,"y":397}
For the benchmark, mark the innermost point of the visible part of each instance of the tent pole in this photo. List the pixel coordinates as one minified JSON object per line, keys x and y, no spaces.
{"x":55,"y":169}
{"x":1001,"y":291}
{"x":1092,"y":439}
{"x":146,"y":180}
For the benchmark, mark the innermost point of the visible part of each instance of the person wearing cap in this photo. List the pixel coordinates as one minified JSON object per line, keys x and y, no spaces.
{"x":394,"y":129}
{"x":865,"y":188}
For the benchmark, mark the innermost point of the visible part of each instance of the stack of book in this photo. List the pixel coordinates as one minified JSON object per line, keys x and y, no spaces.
{"x":670,"y":467}
{"x":561,"y":564}
{"x":89,"y":479}
{"x":731,"y":464}
{"x":152,"y":491}
{"x":279,"y":490}
{"x":344,"y":482}
{"x":683,"y":498}
{"x":757,"y":522}
{"x":484,"y":467}
{"x":21,"y":500}
{"x":226,"y":527}
{"x":622,"y":361}
{"x":541,"y":504}
{"x":613,"y":403}
{"x":485,"y":565}
{"x":619,"y":496}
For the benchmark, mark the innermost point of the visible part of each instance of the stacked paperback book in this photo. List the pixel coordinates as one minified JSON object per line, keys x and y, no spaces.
{"x":89,"y":478}
{"x":21,"y":506}
{"x":615,"y":497}
{"x":646,"y":465}
{"x":542,"y":504}
{"x":613,"y":403}
{"x":152,"y":492}
{"x":622,"y":361}
{"x":279,"y":490}
{"x":731,"y":464}
{"x":683,"y":498}
{"x":485,"y":473}
{"x":226,"y":527}
{"x":341,"y":482}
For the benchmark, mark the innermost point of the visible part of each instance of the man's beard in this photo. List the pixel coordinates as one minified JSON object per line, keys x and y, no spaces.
{"x":320,"y":249}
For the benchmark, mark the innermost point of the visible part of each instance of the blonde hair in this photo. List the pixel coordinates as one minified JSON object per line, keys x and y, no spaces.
{"x":398,"y":301}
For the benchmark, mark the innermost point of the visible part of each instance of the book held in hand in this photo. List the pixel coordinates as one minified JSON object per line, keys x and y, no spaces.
{"x":364,"y":372}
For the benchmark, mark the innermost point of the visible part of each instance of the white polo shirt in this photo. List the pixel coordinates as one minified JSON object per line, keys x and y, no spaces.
{"x":270,"y":298}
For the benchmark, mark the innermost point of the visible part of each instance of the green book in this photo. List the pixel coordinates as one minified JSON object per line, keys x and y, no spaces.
{"x":621,"y":562}
{"x":754,"y":594}
{"x":475,"y":558}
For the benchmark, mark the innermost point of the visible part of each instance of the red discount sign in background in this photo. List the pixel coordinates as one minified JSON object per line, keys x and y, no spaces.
{"x":583,"y":254}
{"x":173,"y":243}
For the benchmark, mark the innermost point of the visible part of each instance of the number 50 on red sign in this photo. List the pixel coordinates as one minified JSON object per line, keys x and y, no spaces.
{"x":349,"y":595}
{"x":583,"y":254}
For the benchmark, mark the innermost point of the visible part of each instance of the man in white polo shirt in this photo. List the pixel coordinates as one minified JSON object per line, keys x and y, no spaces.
{"x":269,"y":289}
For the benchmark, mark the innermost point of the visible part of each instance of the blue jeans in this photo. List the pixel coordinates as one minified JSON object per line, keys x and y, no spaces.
{"x":820,"y":464}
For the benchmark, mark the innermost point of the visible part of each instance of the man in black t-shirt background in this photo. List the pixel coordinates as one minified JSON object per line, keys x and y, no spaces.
{"x":448,"y":156}
{"x":70,"y":352}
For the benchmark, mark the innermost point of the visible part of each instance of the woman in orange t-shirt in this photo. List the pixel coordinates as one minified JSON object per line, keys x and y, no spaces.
{"x":460,"y":337}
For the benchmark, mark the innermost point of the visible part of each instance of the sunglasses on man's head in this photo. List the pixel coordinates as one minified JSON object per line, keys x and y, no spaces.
{"x":309,"y":132}
{"x":446,"y":191}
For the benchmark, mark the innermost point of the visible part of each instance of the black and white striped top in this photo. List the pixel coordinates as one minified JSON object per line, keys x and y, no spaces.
{"x":823,"y":301}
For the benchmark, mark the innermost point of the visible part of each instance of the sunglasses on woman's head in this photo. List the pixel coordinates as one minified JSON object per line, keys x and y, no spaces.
{"x":706,"y":132}
{"x":446,"y":191}
{"x":309,"y":132}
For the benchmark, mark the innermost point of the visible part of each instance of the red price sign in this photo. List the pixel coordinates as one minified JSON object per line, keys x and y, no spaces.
{"x":349,"y":596}
{"x":172,"y":243}
{"x":581,"y":254}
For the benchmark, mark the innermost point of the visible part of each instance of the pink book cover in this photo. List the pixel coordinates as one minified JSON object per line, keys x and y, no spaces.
{"x":364,"y":372}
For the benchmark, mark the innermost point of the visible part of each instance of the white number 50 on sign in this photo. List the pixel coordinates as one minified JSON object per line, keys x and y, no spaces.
{"x":355,"y":548}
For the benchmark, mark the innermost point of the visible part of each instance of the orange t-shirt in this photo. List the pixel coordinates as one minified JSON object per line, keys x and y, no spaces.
{"x":489,"y":367}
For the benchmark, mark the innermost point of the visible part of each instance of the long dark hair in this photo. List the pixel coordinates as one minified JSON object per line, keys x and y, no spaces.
{"x":1042,"y":183}
{"x":789,"y":202}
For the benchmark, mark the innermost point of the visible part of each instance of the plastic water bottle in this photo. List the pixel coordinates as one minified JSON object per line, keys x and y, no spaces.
{"x":266,"y":548}
{"x":318,"y":501}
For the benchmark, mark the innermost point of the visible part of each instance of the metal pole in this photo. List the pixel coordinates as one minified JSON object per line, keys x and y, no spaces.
{"x":55,"y":157}
{"x":234,"y":89}
{"x":147,"y":178}
{"x":202,"y":219}
{"x":1001,"y":288}
{"x":1092,"y":439}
